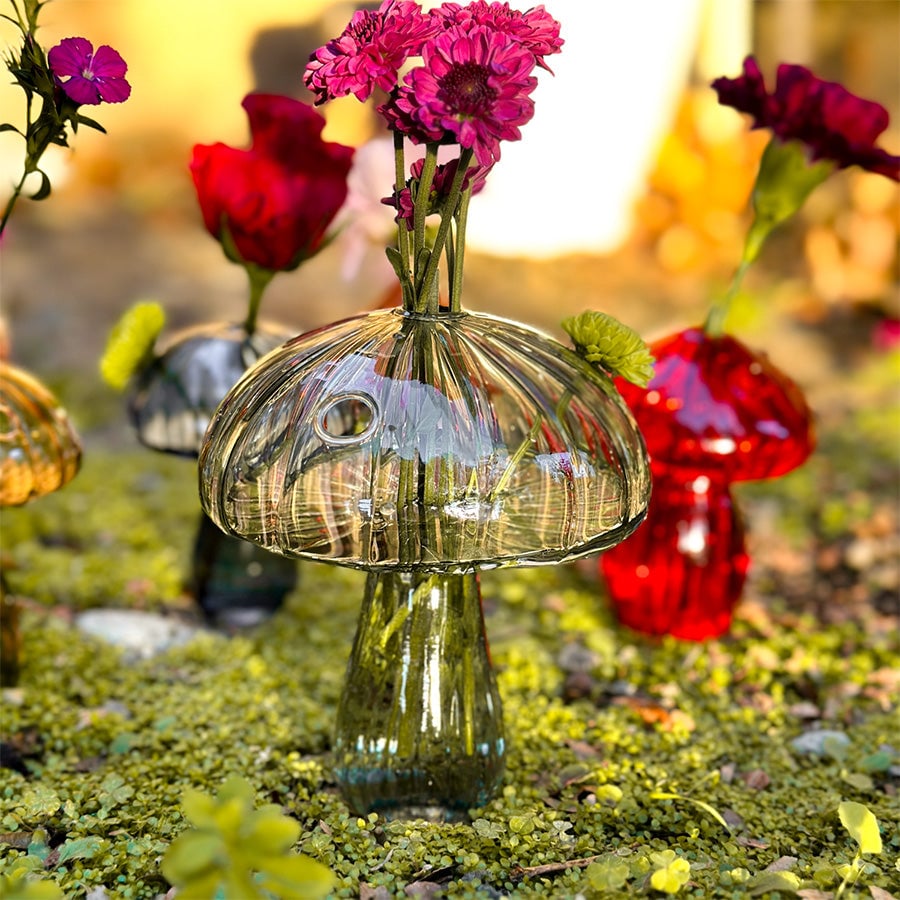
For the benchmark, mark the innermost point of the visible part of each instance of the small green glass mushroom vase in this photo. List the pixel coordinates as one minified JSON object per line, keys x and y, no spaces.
{"x":423,"y":448}
{"x":172,"y":398}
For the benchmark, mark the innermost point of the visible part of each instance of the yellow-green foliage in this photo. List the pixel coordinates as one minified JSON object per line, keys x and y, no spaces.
{"x":110,"y":748}
{"x":239,"y":852}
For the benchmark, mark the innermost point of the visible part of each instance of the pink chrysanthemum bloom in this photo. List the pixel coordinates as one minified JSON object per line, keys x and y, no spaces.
{"x":370,"y":51}
{"x":476,"y":176}
{"x":474,"y":87}
{"x":535,"y":29}
{"x":87,"y":77}
{"x":833,"y":123}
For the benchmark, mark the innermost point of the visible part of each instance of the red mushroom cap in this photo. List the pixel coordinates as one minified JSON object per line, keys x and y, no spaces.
{"x":714,"y":405}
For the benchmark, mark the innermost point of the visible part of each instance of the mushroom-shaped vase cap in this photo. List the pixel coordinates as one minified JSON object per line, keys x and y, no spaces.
{"x":715,"y":405}
{"x":39,"y":449}
{"x":396,"y":440}
{"x":174,"y":397}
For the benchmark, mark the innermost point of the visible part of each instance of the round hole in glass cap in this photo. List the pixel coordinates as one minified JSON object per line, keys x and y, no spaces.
{"x":172,"y":399}
{"x":423,"y":448}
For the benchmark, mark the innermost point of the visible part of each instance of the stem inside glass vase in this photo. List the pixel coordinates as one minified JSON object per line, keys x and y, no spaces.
{"x":420,"y":725}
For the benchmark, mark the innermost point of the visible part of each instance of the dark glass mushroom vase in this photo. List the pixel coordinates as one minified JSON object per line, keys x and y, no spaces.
{"x":172,"y":399}
{"x":424,"y":448}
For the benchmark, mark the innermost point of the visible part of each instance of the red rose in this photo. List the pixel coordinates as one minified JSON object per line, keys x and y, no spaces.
{"x":271,"y":205}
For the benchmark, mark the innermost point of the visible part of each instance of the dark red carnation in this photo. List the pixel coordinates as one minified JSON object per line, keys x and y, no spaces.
{"x":833,"y":123}
{"x":275,"y":201}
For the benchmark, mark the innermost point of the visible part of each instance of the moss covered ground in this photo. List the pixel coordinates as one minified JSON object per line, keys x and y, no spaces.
{"x":98,"y":750}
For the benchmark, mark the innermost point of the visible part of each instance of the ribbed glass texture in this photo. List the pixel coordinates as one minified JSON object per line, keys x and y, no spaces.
{"x":419,"y":727}
{"x":39,"y":449}
{"x":396,"y":440}
{"x":174,"y":398}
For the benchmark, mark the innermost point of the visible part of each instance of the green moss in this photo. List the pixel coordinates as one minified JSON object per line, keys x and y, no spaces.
{"x":111,"y":747}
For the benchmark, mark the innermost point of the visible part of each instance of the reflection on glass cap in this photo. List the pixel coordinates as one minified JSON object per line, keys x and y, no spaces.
{"x":392,"y":440}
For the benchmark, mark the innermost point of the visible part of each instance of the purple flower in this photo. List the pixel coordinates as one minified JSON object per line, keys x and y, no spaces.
{"x":833,"y":123}
{"x":535,"y":29}
{"x":87,"y":77}
{"x":370,"y":51}
{"x":472,"y":88}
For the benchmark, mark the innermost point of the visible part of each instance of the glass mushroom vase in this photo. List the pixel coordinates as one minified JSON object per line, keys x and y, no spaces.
{"x":39,"y":453}
{"x":172,"y":399}
{"x":423,"y":448}
{"x":715,"y":413}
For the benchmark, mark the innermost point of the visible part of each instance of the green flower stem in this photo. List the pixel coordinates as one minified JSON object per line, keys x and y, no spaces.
{"x":456,"y":261}
{"x":259,"y":281}
{"x":420,"y":209}
{"x":7,"y":212}
{"x":715,"y":320}
{"x":402,"y":231}
{"x":785,"y":179}
{"x":430,"y":276}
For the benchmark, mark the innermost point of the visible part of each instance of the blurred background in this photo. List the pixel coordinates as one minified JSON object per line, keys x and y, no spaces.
{"x":628,"y":192}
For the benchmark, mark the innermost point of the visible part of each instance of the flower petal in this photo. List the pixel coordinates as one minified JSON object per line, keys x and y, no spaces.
{"x":69,"y":56}
{"x":107,"y":63}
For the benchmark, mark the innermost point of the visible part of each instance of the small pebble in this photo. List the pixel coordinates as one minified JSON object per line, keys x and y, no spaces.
{"x":139,"y":634}
{"x":814,"y":741}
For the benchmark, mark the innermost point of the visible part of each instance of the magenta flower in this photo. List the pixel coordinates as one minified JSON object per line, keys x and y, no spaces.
{"x":472,"y":88}
{"x":535,"y":29}
{"x":476,"y":176}
{"x":87,"y":77}
{"x":833,"y":123}
{"x":370,"y":51}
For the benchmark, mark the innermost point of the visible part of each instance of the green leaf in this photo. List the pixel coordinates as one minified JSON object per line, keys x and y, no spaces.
{"x":198,"y":808}
{"x":608,"y":343}
{"x":766,"y":882}
{"x":44,"y":190}
{"x":862,"y":825}
{"x":268,"y":834}
{"x":297,"y":878}
{"x":90,"y":123}
{"x":83,"y":848}
{"x":8,"y":126}
{"x":190,"y":856}
{"x":608,"y":874}
{"x":39,"y":802}
{"x":661,"y":795}
{"x":19,"y":886}
{"x":858,"y":780}
{"x":673,"y":873}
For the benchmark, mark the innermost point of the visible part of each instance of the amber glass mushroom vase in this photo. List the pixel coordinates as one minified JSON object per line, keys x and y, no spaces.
{"x":39,"y":453}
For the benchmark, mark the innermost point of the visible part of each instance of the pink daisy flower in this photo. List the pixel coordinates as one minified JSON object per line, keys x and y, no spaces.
{"x":535,"y":29}
{"x":370,"y":51}
{"x":473,"y":87}
{"x":87,"y":77}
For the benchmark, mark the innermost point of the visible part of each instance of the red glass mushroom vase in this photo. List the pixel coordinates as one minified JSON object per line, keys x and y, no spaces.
{"x":714,"y":413}
{"x":422,"y":448}
{"x":39,"y":453}
{"x":236,"y":583}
